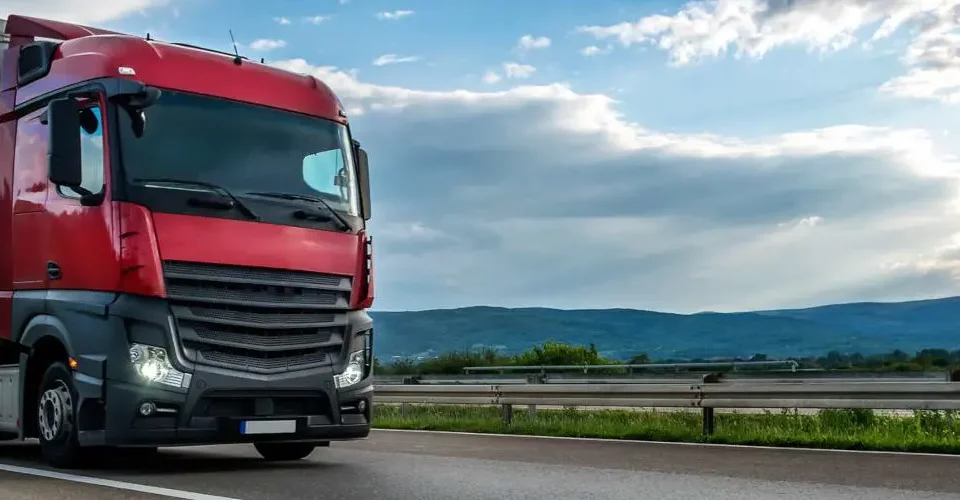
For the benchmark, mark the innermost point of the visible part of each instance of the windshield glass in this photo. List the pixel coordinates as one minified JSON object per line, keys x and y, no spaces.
{"x":241,"y":148}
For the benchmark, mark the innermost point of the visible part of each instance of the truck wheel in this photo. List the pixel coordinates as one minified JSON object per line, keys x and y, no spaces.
{"x":284,"y":451}
{"x":57,"y":417}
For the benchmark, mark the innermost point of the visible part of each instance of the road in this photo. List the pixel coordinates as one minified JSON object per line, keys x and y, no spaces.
{"x":404,"y":465}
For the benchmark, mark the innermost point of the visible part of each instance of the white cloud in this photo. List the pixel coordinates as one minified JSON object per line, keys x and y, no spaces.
{"x":511,"y":70}
{"x":386,"y":59}
{"x":266,"y":44}
{"x":317,"y":19}
{"x":281,"y":20}
{"x":519,"y":71}
{"x":530,"y":42}
{"x":593,"y":50}
{"x":752,"y":28}
{"x":626,"y":216}
{"x":397,"y":14}
{"x":803,"y":222}
{"x":491,"y":77}
{"x":78,"y":12}
{"x":704,"y":29}
{"x":934,"y":67}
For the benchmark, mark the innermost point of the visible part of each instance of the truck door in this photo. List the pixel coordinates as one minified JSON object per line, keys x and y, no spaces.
{"x":29,"y":201}
{"x":81,"y":252}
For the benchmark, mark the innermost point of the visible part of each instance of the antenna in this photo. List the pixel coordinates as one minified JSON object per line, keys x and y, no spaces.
{"x":148,"y":36}
{"x":236,"y":60}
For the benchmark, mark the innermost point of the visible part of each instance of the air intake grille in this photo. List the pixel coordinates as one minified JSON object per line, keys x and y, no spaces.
{"x":255,"y":319}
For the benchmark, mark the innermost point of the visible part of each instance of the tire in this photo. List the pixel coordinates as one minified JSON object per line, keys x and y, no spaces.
{"x":284,"y":451}
{"x":57,"y":418}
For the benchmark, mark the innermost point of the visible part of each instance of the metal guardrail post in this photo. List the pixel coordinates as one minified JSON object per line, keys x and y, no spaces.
{"x":709,"y":419}
{"x":709,"y":422}
{"x":534,"y":379}
{"x":507,"y":411}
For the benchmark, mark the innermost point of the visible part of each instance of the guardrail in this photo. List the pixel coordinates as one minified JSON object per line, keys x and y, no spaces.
{"x":733,"y":365}
{"x":678,"y":377}
{"x":706,"y":394}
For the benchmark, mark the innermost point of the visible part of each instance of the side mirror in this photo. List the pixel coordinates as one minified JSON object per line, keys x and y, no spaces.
{"x":64,"y":165}
{"x":363,"y":177}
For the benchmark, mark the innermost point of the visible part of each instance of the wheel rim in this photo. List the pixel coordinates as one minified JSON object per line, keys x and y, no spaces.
{"x":56,"y":405}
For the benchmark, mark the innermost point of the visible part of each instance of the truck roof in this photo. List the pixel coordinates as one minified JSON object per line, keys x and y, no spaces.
{"x":86,"y":53}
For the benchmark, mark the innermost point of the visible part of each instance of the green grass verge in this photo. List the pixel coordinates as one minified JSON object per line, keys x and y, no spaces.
{"x":925,"y":431}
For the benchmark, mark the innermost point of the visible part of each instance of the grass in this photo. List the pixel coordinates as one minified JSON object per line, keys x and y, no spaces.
{"x":924,"y":431}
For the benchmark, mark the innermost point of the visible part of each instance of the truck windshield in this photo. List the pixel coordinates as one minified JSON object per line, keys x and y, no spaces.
{"x":241,"y":147}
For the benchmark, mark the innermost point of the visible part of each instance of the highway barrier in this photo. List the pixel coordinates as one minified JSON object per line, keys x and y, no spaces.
{"x":708,"y":393}
{"x":630,"y":368}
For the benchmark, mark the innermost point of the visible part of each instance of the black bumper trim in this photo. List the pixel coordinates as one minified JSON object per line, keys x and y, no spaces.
{"x":193,"y":425}
{"x":200,"y":437}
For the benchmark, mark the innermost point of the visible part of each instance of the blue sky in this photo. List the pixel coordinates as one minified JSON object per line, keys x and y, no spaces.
{"x":671,"y":155}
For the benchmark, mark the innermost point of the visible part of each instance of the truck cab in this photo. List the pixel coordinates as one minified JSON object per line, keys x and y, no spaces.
{"x":184,"y":254}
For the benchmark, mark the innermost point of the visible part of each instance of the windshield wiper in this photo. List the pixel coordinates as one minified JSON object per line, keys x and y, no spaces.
{"x":235,"y":202}
{"x":344,"y":225}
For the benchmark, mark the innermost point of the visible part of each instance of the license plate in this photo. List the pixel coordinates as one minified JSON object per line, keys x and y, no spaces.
{"x":268,"y":427}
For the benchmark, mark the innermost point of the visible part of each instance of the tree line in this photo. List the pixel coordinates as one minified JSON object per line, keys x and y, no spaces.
{"x":559,"y":353}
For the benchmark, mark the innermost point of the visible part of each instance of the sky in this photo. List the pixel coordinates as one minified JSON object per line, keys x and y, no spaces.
{"x":670,"y":155}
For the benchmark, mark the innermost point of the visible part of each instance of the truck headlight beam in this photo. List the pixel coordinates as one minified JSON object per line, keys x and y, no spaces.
{"x":353,"y":372}
{"x":153,"y":366}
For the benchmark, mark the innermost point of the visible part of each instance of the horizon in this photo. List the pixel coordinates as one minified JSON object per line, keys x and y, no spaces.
{"x":888,"y":302}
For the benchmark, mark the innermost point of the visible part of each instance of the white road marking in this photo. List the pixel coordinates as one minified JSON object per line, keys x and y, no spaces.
{"x":109,"y":483}
{"x":679,"y":443}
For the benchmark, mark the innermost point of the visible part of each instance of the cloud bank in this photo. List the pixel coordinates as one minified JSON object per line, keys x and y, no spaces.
{"x":540,"y":195}
{"x":752,"y":28}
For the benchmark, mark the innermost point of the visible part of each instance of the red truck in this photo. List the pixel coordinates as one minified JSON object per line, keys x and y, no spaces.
{"x":184,"y":254}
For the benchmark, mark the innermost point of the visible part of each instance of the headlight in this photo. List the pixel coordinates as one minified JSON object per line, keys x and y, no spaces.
{"x":153,"y":366}
{"x":352,"y":373}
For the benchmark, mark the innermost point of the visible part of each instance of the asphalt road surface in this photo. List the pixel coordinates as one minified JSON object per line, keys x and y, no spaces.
{"x":413,"y":465}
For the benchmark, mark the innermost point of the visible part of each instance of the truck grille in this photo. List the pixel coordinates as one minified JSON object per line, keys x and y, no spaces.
{"x":256,"y":319}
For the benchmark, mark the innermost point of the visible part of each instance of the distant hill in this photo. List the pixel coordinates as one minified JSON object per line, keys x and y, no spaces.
{"x":866,"y":328}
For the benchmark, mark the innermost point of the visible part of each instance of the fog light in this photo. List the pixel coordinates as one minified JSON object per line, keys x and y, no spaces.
{"x":362,"y":405}
{"x":148,"y":408}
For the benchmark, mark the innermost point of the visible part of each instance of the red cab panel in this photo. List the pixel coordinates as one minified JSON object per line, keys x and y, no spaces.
{"x":140,"y":271}
{"x":244,"y":243}
{"x":29,"y":192}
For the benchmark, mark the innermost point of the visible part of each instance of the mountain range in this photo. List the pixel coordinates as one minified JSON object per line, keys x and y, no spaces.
{"x":866,"y":328}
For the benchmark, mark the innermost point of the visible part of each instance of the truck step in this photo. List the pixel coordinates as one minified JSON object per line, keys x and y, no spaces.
{"x":9,"y":398}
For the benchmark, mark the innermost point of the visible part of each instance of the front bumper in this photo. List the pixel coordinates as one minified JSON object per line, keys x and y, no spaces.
{"x":212,"y":411}
{"x":218,"y":399}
